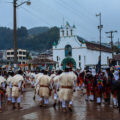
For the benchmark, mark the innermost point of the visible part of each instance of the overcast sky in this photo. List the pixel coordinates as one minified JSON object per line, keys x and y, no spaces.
{"x":79,"y":12}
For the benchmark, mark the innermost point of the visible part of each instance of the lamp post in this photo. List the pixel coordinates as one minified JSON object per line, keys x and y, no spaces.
{"x":15,"y":6}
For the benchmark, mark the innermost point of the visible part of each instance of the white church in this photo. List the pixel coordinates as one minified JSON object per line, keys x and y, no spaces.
{"x":76,"y":52}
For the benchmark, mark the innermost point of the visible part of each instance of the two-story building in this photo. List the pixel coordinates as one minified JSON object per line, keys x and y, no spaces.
{"x":21,"y":55}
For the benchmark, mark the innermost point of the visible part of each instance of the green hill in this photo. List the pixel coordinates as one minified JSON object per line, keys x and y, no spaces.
{"x":37,"y":30}
{"x":41,"y":40}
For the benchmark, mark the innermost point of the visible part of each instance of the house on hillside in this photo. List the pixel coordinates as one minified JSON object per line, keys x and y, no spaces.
{"x":76,"y":52}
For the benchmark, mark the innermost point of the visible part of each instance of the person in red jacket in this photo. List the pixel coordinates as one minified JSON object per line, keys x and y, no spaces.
{"x":88,"y":85}
{"x":2,"y":90}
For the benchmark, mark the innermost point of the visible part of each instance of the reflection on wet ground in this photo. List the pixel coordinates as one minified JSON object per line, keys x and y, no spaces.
{"x":81,"y":111}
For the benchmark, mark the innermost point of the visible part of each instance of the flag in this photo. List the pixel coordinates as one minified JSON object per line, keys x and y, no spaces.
{"x":98,"y":67}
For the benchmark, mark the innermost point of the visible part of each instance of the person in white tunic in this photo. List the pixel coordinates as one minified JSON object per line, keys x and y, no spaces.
{"x":44,"y":90}
{"x":9,"y":87}
{"x":66,"y":83}
{"x":55,"y":89}
{"x":17,"y":89}
{"x":36,"y":85}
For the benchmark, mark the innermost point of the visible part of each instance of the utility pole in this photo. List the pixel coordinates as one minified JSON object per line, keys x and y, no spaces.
{"x":111,"y":37}
{"x":118,"y":42}
{"x":100,"y":31}
{"x":15,"y":6}
{"x":15,"y":31}
{"x":118,"y":45}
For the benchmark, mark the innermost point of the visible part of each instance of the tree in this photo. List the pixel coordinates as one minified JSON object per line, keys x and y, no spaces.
{"x":116,"y":49}
{"x":22,"y":32}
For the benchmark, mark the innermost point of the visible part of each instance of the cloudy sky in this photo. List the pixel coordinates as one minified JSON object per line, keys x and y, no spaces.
{"x":54,"y":12}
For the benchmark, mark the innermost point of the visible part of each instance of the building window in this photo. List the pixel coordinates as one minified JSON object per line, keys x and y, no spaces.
{"x":8,"y":58}
{"x":79,"y":57}
{"x":107,"y":60}
{"x":20,"y":58}
{"x":8,"y":53}
{"x":12,"y":53}
{"x":84,"y":60}
{"x":24,"y":53}
{"x":68,"y":51}
{"x":71,"y":32}
{"x":63,"y":33}
{"x":57,"y":58}
{"x":20,"y":52}
{"x":79,"y":64}
{"x":67,"y":33}
{"x":23,"y":58}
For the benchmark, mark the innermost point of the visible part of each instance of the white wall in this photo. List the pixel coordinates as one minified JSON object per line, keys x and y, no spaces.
{"x":88,"y":57}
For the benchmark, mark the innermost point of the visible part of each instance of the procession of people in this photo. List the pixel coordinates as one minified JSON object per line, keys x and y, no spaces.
{"x":99,"y":87}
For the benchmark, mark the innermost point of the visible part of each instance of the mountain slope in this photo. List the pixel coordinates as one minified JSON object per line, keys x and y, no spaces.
{"x":38,"y":41}
{"x":37,"y":30}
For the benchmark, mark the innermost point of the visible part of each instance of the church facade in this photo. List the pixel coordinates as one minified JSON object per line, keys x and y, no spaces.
{"x":76,"y":52}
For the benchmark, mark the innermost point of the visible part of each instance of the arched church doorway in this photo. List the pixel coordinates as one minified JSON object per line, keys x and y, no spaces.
{"x":68,"y":62}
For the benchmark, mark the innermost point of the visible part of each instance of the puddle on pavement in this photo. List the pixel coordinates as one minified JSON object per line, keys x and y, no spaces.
{"x":31,"y":116}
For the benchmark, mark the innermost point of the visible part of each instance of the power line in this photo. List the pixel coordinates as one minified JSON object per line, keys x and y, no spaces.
{"x":58,"y":12}
{"x":63,"y":4}
{"x":76,"y":11}
{"x":34,"y":15}
{"x":85,"y":11}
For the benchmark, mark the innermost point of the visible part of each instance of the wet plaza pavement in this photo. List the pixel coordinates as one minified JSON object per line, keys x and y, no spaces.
{"x":82,"y":110}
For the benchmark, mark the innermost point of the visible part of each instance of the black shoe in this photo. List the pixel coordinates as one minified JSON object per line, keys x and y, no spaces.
{"x":34,"y":98}
{"x":119,"y":109}
{"x":70,"y":109}
{"x":14,"y":108}
{"x":54,"y":105}
{"x":99,"y":103}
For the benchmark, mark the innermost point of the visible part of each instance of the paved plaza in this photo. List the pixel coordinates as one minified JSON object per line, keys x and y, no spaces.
{"x":82,"y":110}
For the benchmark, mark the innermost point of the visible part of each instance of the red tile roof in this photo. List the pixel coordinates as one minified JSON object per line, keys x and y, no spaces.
{"x":94,"y":46}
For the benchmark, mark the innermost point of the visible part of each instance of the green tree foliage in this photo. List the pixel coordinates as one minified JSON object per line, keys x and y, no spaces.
{"x":22,"y":32}
{"x":37,"y":30}
{"x":116,"y":49}
{"x":40,"y":41}
{"x":6,"y":38}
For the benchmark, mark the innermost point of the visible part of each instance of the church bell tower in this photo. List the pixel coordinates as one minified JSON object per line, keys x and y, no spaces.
{"x":67,"y":30}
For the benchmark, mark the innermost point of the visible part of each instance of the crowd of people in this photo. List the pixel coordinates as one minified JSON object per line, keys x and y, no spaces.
{"x":99,"y":87}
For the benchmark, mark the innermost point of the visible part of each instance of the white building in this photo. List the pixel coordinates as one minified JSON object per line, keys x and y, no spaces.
{"x":77,"y":52}
{"x":3,"y":55}
{"x":48,"y":54}
{"x":21,"y":55}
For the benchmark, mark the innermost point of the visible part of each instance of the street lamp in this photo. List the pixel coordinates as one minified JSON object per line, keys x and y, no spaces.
{"x":15,"y":6}
{"x":25,"y":2}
